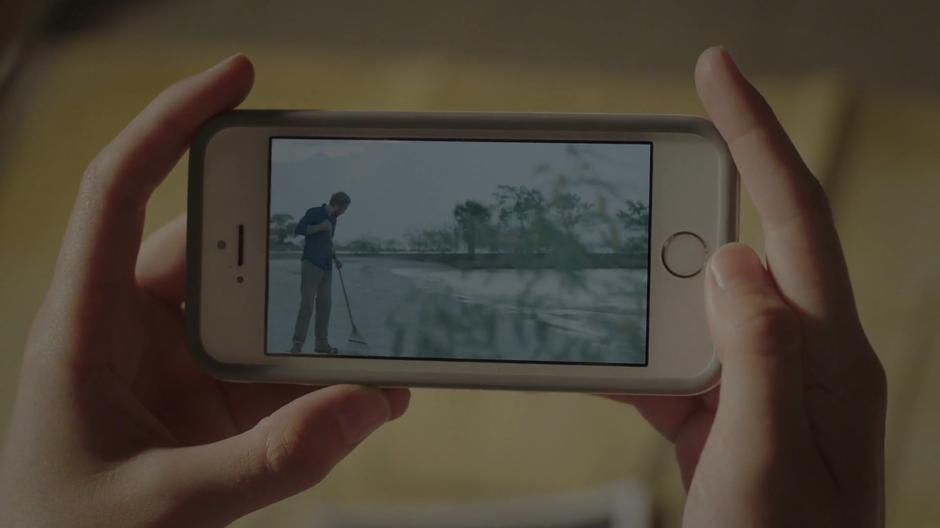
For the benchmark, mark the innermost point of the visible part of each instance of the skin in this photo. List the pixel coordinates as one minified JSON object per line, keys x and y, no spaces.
{"x":794,"y":436}
{"x":114,"y":426}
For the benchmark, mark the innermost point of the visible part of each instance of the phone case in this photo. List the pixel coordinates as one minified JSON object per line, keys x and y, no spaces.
{"x":457,"y":121}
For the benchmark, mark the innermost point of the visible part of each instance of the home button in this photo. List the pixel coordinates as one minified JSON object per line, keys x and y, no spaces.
{"x":684,"y":254}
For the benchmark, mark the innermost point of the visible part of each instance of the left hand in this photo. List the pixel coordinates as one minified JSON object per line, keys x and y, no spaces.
{"x":113,"y":423}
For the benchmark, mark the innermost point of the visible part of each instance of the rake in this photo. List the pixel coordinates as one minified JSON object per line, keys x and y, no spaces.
{"x":354,"y":336}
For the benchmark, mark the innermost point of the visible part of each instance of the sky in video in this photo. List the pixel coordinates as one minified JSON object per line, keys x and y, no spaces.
{"x":397,"y":186}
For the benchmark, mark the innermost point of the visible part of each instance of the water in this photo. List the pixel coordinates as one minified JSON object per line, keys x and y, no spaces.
{"x":408,"y":308}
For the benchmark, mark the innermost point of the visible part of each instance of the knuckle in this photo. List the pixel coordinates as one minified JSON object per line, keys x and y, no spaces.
{"x":863,"y":373}
{"x":817,"y":192}
{"x":819,"y":199}
{"x":95,"y":178}
{"x":287,"y":454}
{"x":774,"y":326}
{"x":876,"y":379}
{"x":100,"y":181}
{"x":113,"y":177}
{"x":280,"y":453}
{"x":104,"y":165}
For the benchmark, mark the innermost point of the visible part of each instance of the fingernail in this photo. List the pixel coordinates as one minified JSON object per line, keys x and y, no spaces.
{"x":363,"y":412}
{"x":736,"y":265}
{"x":729,"y":60}
{"x":398,"y":401}
{"x":221,"y":65}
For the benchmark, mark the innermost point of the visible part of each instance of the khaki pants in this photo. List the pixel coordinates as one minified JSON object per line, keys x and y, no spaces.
{"x":316,"y":287}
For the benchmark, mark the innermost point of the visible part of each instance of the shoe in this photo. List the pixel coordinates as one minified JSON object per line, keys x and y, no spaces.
{"x":326,"y":349}
{"x":296,"y":348}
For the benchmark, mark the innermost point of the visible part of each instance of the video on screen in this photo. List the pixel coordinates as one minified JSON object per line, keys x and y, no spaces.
{"x":525,"y":251}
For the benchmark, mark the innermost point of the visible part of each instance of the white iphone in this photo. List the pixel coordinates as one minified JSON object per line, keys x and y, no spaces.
{"x":517,"y":251}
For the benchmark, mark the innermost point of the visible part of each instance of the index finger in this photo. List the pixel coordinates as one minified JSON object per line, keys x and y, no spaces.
{"x":801,"y":243}
{"x":106,"y":225}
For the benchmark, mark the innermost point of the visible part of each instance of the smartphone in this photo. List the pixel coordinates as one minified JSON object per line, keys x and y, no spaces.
{"x":496,"y":250}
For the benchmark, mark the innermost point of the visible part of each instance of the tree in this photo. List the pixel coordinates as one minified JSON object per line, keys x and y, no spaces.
{"x":434,"y":240}
{"x":635,"y":219}
{"x":416,"y":242}
{"x":364,"y":244}
{"x":569,"y":210}
{"x":391,"y":245}
{"x":519,"y":203}
{"x":521,"y":216}
{"x":281,"y":228}
{"x":472,"y":220}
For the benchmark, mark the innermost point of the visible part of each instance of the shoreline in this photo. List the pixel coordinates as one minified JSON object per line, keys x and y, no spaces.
{"x":487,"y":261}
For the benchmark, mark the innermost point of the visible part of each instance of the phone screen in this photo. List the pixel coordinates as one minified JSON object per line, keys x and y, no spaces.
{"x":482,"y":250}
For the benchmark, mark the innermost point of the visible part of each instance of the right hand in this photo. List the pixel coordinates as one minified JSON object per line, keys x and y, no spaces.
{"x":324,"y":226}
{"x":798,"y":436}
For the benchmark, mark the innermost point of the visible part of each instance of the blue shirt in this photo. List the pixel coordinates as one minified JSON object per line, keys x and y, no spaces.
{"x":318,"y":247}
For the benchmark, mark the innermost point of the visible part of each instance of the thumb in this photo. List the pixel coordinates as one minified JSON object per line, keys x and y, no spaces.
{"x":758,"y":338}
{"x":289,"y":451}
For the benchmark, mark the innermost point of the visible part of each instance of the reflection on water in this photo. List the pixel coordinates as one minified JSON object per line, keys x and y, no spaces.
{"x":411,"y":308}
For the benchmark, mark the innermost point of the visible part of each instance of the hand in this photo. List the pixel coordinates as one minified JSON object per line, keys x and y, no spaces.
{"x":113,"y":423}
{"x":339,"y":264}
{"x":798,"y":436}
{"x":324,"y":226}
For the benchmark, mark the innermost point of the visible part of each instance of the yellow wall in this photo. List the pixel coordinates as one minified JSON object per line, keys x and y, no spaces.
{"x":876,"y":153}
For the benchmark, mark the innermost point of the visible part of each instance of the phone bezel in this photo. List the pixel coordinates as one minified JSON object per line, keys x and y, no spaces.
{"x":222,"y":313}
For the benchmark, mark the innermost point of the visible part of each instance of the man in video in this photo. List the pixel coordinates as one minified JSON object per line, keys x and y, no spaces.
{"x":316,"y":265}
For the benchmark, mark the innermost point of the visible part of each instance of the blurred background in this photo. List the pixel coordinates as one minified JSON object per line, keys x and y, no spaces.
{"x":857,"y":84}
